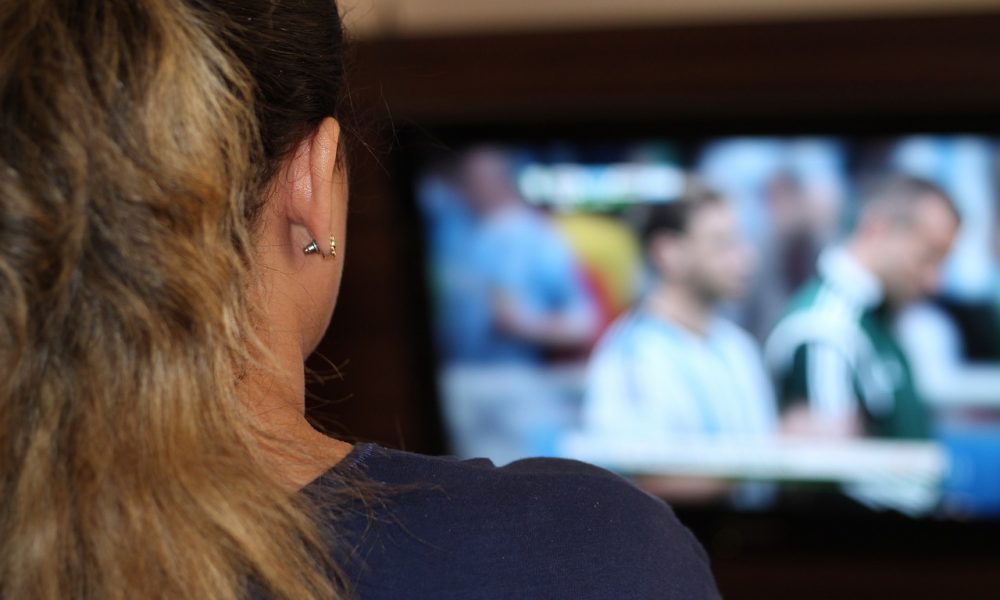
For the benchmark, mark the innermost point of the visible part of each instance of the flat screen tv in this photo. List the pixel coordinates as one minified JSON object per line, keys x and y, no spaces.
{"x":746,"y":318}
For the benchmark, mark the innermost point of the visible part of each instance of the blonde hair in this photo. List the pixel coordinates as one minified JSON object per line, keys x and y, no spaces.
{"x":136,"y":140}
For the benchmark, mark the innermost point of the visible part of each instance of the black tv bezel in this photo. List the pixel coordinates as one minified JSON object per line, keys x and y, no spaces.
{"x":824,"y":527}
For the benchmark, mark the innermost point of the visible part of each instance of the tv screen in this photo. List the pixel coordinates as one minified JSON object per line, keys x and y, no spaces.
{"x":733,"y":319}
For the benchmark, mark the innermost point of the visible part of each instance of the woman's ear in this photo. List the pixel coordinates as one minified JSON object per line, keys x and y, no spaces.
{"x":317,"y":200}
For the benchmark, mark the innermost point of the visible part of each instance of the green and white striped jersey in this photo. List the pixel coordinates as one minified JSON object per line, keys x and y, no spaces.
{"x":835,"y":349}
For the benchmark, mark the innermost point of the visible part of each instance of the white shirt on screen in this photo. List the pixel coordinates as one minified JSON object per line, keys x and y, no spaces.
{"x":650,"y":379}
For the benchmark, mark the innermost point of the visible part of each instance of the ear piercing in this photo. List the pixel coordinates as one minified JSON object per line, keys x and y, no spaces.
{"x":313,"y":248}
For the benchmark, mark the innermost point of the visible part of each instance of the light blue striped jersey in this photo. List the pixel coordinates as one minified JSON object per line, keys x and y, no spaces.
{"x":652,"y":379}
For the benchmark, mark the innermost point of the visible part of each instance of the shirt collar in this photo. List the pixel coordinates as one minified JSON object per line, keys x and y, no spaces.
{"x":852,"y":280}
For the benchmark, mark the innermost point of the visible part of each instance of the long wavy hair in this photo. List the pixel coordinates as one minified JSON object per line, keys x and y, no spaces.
{"x":137,"y":140}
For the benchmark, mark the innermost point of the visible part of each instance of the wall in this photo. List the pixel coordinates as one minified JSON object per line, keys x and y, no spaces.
{"x":378,"y":18}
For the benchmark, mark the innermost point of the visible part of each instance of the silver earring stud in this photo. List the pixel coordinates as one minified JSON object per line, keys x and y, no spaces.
{"x":312,"y":248}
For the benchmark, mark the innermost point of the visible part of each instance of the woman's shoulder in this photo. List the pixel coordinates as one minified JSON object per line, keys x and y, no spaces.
{"x":533,"y":528}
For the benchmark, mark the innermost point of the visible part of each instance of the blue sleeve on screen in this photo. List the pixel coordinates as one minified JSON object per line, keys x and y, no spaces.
{"x":524,"y":257}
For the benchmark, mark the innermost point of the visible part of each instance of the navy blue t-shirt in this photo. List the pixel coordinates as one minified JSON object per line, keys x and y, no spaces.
{"x":453,"y":529}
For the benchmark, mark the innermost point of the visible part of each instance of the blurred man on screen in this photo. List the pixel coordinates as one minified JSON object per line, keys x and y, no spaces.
{"x":672,"y":369}
{"x":521,"y":275}
{"x":839,"y":368}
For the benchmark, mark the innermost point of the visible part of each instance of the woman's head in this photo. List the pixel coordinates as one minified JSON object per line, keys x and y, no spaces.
{"x":293,"y":52}
{"x":162,"y":163}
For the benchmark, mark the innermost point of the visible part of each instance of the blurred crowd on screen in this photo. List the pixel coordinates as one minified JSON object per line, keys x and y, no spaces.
{"x":745,"y":288}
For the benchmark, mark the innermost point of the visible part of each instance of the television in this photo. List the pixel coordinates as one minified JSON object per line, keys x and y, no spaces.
{"x":540,"y":264}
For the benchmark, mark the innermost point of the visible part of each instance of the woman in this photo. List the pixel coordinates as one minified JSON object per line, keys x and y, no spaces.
{"x":172,"y":215}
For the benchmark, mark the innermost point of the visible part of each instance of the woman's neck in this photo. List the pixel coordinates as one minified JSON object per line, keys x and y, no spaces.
{"x":276,"y":401}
